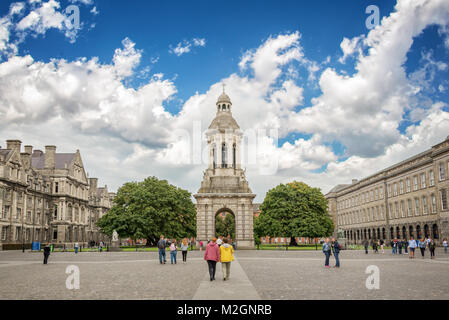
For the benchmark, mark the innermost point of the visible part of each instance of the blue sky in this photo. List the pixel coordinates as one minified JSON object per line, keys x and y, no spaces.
{"x":231,"y":31}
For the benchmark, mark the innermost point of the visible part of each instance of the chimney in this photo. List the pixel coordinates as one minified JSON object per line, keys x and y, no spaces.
{"x":29,"y":149}
{"x":13,"y":145}
{"x":37,"y":153}
{"x":354,"y":181}
{"x":50,"y":152}
{"x":93,"y":184}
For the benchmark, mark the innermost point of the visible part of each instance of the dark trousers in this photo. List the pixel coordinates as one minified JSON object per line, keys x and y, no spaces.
{"x":422,"y":251}
{"x":45,"y":258}
{"x":432,"y":253}
{"x":326,"y":261}
{"x":184,"y":256}
{"x":162,"y":256}
{"x":366,"y":249}
{"x":400,"y":250}
{"x":337,"y":260}
{"x":212,"y":268}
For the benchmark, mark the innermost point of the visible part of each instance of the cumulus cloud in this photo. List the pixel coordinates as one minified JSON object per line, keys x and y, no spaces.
{"x":185,"y":46}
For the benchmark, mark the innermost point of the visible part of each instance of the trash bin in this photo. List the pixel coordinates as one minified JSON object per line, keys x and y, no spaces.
{"x":52,"y":247}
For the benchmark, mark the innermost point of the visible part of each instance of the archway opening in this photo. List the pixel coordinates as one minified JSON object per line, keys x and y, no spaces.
{"x":225,"y":224}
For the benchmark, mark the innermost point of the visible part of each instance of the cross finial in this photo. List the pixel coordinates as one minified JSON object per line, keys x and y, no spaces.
{"x":224,"y":85}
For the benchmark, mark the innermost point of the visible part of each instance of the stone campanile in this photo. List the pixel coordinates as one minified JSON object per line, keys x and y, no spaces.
{"x":224,"y":187}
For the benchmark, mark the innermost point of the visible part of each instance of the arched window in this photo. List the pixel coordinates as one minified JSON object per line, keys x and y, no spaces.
{"x":398,"y":233}
{"x":404,"y":232}
{"x":224,"y":156}
{"x":426,"y":231}
{"x":410,"y":231}
{"x":234,"y":155}
{"x":214,"y":156}
{"x":435,"y":231}
{"x":224,"y":107}
{"x":418,"y":232}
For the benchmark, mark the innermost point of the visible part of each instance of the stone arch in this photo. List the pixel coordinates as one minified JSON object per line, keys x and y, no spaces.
{"x":404,"y":232}
{"x":435,"y":233}
{"x":426,"y":231}
{"x":410,"y":231}
{"x":418,"y":232}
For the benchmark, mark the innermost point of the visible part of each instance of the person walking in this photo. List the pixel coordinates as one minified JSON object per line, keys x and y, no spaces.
{"x":399,"y":243}
{"x":412,"y":246}
{"x":405,"y":246}
{"x":212,"y":256}
{"x":422,"y":246}
{"x":184,"y":249}
{"x":226,"y":257}
{"x":375,"y":246}
{"x":46,"y":253}
{"x":327,"y":252}
{"x":161,"y":244}
{"x":366,"y":245}
{"x":336,"y":249}
{"x":173,"y":251}
{"x":432,"y":248}
{"x":77,"y":246}
{"x":220,"y":240}
{"x":201,"y":245}
{"x":445,"y":245}
{"x":382,"y":246}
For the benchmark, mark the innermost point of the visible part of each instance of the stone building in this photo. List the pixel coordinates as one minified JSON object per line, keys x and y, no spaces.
{"x":408,"y":198}
{"x":47,"y":197}
{"x":224,"y":187}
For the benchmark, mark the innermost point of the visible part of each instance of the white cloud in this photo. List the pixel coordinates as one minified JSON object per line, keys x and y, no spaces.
{"x":350,"y":47}
{"x":185,"y":46}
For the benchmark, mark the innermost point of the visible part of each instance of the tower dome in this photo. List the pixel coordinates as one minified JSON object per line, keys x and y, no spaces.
{"x":224,"y":98}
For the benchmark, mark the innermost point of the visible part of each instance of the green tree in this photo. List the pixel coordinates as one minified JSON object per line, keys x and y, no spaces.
{"x":226,"y":226}
{"x":148,"y":209}
{"x":294,"y":210}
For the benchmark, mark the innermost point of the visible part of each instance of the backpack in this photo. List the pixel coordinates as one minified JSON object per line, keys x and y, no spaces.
{"x":161,"y":244}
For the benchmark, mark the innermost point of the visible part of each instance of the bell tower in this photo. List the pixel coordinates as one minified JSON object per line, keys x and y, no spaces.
{"x":224,"y":186}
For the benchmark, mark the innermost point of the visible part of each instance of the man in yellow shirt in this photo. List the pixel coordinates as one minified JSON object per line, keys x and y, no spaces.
{"x":226,"y":256}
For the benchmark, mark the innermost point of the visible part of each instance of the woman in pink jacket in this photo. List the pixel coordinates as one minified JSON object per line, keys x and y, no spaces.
{"x":212,"y":256}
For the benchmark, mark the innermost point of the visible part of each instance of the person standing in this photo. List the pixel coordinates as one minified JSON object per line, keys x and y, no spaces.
{"x":173,"y":251}
{"x":375,"y":246}
{"x":46,"y":253}
{"x":201,"y":245}
{"x":382,"y":246}
{"x":161,"y":246}
{"x":327,"y":252}
{"x":422,"y":246}
{"x":405,"y":246}
{"x":432,"y":248}
{"x":212,"y":256}
{"x":412,"y":247}
{"x":76,"y":247}
{"x":366,"y":245}
{"x":226,"y":257}
{"x":336,"y":249}
{"x":445,"y":245}
{"x":184,"y":249}
{"x":399,"y":243}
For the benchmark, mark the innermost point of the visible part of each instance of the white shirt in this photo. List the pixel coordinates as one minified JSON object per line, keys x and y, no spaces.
{"x":219,"y":241}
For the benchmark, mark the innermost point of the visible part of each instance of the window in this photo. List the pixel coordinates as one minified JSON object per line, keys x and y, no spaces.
{"x":4,"y":232}
{"x":55,"y":212}
{"x":224,"y":155}
{"x":377,"y":194}
{"x":6,"y":212}
{"x":423,"y":180}
{"x":371,"y":195}
{"x":396,"y":210}
{"x":18,"y":213}
{"x":434,"y":203}
{"x":389,"y":190}
{"x":390,"y":211}
{"x":417,"y":206}
{"x":395,"y":189}
{"x":381,"y":192}
{"x":402,"y":209}
{"x":443,"y":199}
{"x":363,"y":198}
{"x":55,"y":234}
{"x":16,"y":237}
{"x":410,"y":209}
{"x":424,"y":205}
{"x":431,"y":178}
{"x":29,"y":216}
{"x":442,"y":176}
{"x":415,"y":183}
{"x":377,"y":213}
{"x":382,"y":212}
{"x":401,"y":187}
{"x":408,"y":184}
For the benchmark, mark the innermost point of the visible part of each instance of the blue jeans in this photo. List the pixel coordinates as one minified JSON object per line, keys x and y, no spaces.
{"x":394,"y":250}
{"x":76,"y":249}
{"x":327,"y":254}
{"x":173,"y":256}
{"x":337,"y":260}
{"x":162,"y":255}
{"x":445,"y":249}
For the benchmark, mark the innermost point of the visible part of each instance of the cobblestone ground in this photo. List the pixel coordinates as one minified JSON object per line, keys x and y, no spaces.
{"x":274,"y":275}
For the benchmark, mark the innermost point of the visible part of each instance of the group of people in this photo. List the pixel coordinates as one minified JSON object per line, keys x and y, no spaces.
{"x":173,"y":249}
{"x":329,"y":248}
{"x":400,"y":246}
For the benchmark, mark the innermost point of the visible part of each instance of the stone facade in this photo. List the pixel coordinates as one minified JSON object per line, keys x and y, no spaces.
{"x":47,"y":197}
{"x":409,"y":198}
{"x":224,"y":187}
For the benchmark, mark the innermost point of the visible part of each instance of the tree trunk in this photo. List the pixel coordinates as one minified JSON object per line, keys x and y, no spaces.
{"x":293,"y":242}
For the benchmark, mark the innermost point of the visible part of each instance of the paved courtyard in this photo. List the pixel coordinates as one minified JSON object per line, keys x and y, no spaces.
{"x":254,"y":275}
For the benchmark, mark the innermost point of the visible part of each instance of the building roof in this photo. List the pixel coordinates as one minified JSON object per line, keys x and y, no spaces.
{"x":62,"y":160}
{"x":339,"y":187}
{"x":223,"y":121}
{"x":224,"y":98}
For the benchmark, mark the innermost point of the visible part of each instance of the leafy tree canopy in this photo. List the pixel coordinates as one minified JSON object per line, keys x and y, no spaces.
{"x":294,"y":210}
{"x":226,"y":226}
{"x":149,"y":209}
